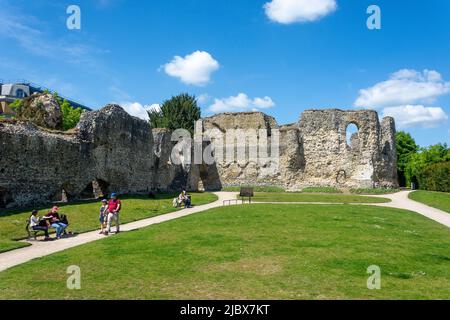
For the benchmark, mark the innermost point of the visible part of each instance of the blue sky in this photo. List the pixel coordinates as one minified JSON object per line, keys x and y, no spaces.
{"x":280,"y":56}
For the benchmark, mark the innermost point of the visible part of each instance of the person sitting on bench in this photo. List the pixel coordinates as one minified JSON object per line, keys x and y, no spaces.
{"x":56,"y":222}
{"x":185,"y":198}
{"x":39,"y":225}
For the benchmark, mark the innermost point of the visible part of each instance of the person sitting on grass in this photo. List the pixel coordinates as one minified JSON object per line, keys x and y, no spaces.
{"x":55,"y":222}
{"x":38,"y":224}
{"x":103,"y":215}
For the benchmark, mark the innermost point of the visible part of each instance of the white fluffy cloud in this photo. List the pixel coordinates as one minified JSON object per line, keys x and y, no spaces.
{"x":291,"y":11}
{"x":153,"y":107}
{"x":135,"y":109}
{"x":402,"y":96}
{"x":239,"y":103}
{"x":416,"y":115}
{"x":404,"y":87}
{"x":195,"y":68}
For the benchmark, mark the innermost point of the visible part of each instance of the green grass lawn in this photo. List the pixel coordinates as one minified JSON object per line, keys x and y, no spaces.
{"x":253,"y":252}
{"x":84,"y":216}
{"x":306,"y":197}
{"x":321,"y":190}
{"x":255,"y":188}
{"x":438,"y":200}
{"x":374,"y":191}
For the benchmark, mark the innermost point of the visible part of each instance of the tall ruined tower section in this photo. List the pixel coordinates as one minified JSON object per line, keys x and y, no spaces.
{"x":367,"y":159}
{"x":314,"y":152}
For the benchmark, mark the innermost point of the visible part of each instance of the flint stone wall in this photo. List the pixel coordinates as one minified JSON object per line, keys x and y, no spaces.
{"x":109,"y":150}
{"x":313,"y":152}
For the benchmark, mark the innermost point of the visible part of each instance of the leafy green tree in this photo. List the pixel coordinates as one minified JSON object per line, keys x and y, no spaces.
{"x":434,"y":154}
{"x":70,"y":115}
{"x":406,"y":148}
{"x":179,"y":112}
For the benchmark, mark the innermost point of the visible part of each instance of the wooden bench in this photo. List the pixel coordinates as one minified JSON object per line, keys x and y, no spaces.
{"x":246,"y":193}
{"x":31,"y":232}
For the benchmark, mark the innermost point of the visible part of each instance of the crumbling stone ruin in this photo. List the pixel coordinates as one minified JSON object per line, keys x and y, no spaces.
{"x":109,"y":150}
{"x":315,"y":151}
{"x":113,"y":151}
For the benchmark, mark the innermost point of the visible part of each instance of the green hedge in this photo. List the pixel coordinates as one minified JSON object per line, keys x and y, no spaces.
{"x":435,"y":177}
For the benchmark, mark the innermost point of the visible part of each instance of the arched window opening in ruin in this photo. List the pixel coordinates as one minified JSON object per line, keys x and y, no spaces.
{"x":5,"y":197}
{"x":352,"y":136}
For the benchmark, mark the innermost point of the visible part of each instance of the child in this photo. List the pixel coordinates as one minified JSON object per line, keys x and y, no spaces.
{"x":103,"y":215}
{"x":38,"y":224}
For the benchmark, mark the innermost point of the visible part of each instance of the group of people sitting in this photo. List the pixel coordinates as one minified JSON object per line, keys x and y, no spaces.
{"x":52,"y":220}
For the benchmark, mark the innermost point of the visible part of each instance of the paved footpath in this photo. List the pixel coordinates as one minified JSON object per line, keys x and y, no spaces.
{"x":40,"y":249}
{"x":400,"y":200}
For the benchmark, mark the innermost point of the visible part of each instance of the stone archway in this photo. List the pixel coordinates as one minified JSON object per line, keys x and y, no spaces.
{"x":96,"y":189}
{"x":100,"y":188}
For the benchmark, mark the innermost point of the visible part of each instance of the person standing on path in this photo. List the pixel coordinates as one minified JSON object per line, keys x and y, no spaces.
{"x":114,"y":207}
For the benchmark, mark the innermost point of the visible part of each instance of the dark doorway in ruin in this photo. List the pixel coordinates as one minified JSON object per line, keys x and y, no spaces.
{"x":95,"y":190}
{"x":352,"y":137}
{"x":88,"y":192}
{"x":5,"y":197}
{"x":60,"y":196}
{"x":100,"y":188}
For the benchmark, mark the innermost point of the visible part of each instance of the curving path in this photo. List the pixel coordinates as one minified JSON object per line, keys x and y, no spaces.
{"x":400,"y":200}
{"x":38,"y":249}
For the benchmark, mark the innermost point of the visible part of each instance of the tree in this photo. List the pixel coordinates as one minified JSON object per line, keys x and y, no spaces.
{"x":406,"y":148}
{"x":70,"y":115}
{"x":417,"y":163}
{"x":179,"y":112}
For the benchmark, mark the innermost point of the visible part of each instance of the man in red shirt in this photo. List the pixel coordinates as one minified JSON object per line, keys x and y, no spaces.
{"x":114,"y":206}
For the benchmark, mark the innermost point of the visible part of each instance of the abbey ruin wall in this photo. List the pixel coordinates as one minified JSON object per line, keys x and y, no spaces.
{"x":313,"y":152}
{"x":111,"y":151}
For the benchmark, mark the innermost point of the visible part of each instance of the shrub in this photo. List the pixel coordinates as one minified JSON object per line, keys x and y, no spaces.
{"x":71,"y":116}
{"x":16,"y":105}
{"x":435,"y":177}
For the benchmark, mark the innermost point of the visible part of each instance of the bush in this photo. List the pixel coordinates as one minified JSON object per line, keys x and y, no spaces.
{"x":71,"y":116}
{"x":16,"y":105}
{"x":435,"y":177}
